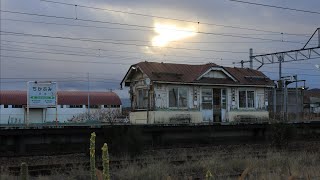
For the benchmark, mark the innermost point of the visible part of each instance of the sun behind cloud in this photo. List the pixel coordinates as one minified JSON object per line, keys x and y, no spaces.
{"x":171,"y":32}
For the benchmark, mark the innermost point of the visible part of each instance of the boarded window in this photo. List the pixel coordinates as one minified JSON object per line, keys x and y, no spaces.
{"x":178,"y":97}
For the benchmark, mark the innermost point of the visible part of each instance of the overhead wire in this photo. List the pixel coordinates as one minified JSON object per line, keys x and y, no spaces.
{"x":68,"y":51}
{"x":109,"y":50}
{"x":131,"y":29}
{"x":143,"y":26}
{"x":168,"y":18}
{"x":94,"y":62}
{"x":278,"y":7}
{"x":85,"y":55}
{"x":124,"y":57}
{"x":117,"y":43}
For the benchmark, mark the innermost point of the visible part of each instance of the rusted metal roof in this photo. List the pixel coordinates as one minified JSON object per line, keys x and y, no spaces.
{"x":187,"y":73}
{"x":13,"y":97}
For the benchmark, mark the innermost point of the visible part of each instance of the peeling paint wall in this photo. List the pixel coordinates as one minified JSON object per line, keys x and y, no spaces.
{"x":161,"y":96}
{"x":248,"y":116}
{"x":166,"y":117}
{"x":159,"y":110}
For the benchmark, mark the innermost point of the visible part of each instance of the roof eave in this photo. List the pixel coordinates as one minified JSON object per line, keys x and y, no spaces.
{"x":129,"y":72}
{"x":210,"y":84}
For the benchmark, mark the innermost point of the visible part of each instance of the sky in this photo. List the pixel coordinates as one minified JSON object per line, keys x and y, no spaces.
{"x":91,"y":44}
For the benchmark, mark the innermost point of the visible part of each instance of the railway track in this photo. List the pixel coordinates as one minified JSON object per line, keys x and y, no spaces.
{"x":47,"y":165}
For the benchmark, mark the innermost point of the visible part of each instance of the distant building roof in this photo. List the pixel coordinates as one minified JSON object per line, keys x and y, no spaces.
{"x":187,"y":73}
{"x":312,"y":93}
{"x":14,"y":97}
{"x":312,"y":96}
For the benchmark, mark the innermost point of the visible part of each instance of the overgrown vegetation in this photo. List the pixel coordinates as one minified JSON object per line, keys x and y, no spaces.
{"x":281,"y":134}
{"x":232,"y":162}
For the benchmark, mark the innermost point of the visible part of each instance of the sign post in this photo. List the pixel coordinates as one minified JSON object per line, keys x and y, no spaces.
{"x":41,"y":95}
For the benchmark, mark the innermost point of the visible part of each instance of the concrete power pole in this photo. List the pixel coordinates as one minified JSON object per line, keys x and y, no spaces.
{"x":251,"y":58}
{"x":88,"y":96}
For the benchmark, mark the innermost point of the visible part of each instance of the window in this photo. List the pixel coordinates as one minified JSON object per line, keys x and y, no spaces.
{"x":111,"y":106}
{"x":61,"y":106}
{"x":142,"y":101}
{"x":250,"y":96}
{"x":75,"y":106}
{"x":223,"y":99}
{"x":178,"y":97}
{"x":16,"y":106}
{"x":242,"y":99}
{"x":206,"y":98}
{"x":246,"y":99}
{"x":5,"y":106}
{"x":93,"y":106}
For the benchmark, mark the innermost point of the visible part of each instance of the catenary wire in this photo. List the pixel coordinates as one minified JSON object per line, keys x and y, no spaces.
{"x":131,"y":29}
{"x":143,"y":26}
{"x":97,"y":49}
{"x":278,"y":7}
{"x":117,"y":43}
{"x":169,"y":18}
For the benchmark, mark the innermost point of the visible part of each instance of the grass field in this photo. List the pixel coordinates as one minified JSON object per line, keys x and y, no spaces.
{"x":297,"y":161}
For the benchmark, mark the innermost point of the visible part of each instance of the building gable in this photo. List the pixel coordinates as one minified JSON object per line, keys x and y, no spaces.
{"x":216,"y":73}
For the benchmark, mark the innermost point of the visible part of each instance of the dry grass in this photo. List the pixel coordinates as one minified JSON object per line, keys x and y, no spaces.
{"x":194,"y":163}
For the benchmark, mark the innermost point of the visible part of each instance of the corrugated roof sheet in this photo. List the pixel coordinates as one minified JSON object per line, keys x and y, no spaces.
{"x":186,"y":73}
{"x":13,"y":97}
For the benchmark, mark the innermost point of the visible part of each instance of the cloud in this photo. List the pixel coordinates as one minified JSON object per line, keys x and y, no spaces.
{"x":125,"y":45}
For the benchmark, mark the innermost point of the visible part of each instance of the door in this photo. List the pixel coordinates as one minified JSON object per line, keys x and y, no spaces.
{"x":216,"y":105}
{"x":206,"y":105}
{"x":213,"y":104}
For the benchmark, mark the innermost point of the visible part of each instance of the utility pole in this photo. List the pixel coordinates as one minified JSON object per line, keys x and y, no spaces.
{"x":280,"y":65}
{"x":250,"y":58}
{"x":274,"y":102}
{"x":297,"y":106}
{"x":286,"y":56}
{"x":241,"y":62}
{"x":88,"y":96}
{"x":286,"y":96}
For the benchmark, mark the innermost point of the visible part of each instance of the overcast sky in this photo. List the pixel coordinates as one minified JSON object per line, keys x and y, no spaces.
{"x":68,"y":43}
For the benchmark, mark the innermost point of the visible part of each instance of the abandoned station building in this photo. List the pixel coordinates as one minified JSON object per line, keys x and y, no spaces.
{"x":183,"y":93}
{"x":72,"y":106}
